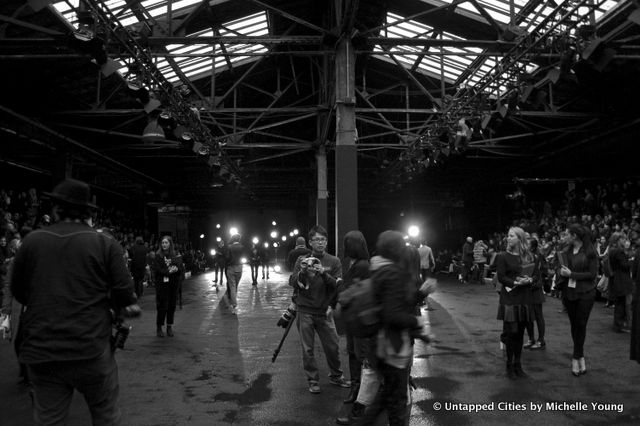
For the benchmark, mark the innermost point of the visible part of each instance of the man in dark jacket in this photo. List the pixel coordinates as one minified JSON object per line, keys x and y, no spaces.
{"x":299,"y":250}
{"x":314,"y":283}
{"x":138,"y":255}
{"x":68,"y":276}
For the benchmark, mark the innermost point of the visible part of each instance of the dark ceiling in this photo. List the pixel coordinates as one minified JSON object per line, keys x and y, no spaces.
{"x":270,"y":116}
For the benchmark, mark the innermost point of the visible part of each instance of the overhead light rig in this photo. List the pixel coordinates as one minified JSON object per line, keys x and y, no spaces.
{"x":471,"y":108}
{"x":187,"y":117}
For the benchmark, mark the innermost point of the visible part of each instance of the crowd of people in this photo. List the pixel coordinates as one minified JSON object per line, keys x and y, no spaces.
{"x":570,"y":255}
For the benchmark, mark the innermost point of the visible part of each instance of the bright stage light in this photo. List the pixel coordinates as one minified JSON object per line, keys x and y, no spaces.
{"x":255,"y":240}
{"x":274,"y":234}
{"x":233,"y":231}
{"x":217,"y":226}
{"x":274,"y":223}
{"x":218,"y":239}
{"x":284,"y":238}
{"x":201,"y":236}
{"x":266,"y":245}
{"x":413,"y":231}
{"x":243,"y":260}
{"x":213,"y":252}
{"x":277,"y":268}
{"x":296,"y":232}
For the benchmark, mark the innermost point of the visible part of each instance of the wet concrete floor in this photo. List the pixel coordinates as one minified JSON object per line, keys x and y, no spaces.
{"x":217,"y":369}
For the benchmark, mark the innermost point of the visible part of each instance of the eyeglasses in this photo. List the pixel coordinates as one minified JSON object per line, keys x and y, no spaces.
{"x":318,"y":240}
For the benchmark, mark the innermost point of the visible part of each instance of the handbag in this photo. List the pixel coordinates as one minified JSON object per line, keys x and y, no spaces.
{"x":603,"y":284}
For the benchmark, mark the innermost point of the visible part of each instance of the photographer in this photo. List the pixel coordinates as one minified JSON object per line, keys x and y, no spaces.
{"x":68,"y":276}
{"x":314,"y":283}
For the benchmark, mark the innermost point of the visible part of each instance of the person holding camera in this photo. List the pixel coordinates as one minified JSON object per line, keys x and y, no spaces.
{"x":169,"y":273}
{"x":68,"y":276}
{"x":314,"y":282}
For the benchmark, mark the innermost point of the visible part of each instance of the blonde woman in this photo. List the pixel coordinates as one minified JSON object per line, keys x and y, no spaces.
{"x":517,"y":270}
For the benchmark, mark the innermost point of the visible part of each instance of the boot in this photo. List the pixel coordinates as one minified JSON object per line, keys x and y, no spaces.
{"x":169,"y":331}
{"x":517,"y":368}
{"x":353,"y":394}
{"x":159,"y":331}
{"x":356,"y":412}
{"x":511,"y":372}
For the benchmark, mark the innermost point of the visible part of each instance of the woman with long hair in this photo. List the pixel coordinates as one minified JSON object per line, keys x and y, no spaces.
{"x":356,"y":262}
{"x":169,"y":272}
{"x":620,"y":283}
{"x":580,"y":270}
{"x":515,"y":308}
{"x":537,"y":299}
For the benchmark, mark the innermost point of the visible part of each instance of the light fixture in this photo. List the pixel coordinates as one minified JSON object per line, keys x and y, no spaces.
{"x":201,"y":236}
{"x":274,"y":223}
{"x":274,"y":234}
{"x":255,"y":240}
{"x":284,"y":238}
{"x":212,"y":252}
{"x":153,"y":131}
{"x":266,"y":245}
{"x":218,"y":239}
{"x":413,"y":231}
{"x":217,"y":226}
{"x":233,"y":231}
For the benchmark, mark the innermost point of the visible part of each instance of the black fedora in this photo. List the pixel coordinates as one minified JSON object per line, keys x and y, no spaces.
{"x":73,"y":192}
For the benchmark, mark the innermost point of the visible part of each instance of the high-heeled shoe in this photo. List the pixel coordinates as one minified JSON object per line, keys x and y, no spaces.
{"x":575,"y":367}
{"x":582,"y":366}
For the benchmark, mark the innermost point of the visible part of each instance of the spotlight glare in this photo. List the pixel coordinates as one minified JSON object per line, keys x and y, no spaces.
{"x":201,"y":236}
{"x":296,"y":232}
{"x":274,"y":223}
{"x":217,"y":226}
{"x":413,"y":231}
{"x":266,"y":245}
{"x":277,"y":269}
{"x":233,"y":231}
{"x":213,"y":252}
{"x":274,"y":234}
{"x":255,"y":240}
{"x":243,"y":260}
{"x":284,"y":238}
{"x":218,"y":239}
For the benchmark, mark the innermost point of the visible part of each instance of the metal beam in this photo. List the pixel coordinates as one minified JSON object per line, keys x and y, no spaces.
{"x":292,"y":17}
{"x":91,"y":153}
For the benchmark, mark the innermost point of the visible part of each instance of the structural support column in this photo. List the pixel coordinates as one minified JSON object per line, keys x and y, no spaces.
{"x":321,"y":201}
{"x":346,"y":163}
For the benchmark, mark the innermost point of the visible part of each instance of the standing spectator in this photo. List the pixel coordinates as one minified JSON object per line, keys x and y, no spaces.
{"x":635,"y":321}
{"x":138,"y":256}
{"x":357,"y":262}
{"x":235,"y":250}
{"x":68,"y":277}
{"x":169,"y":273}
{"x":515,"y":297}
{"x":220,"y":260}
{"x":254,"y":263}
{"x":537,"y":299}
{"x":480,"y":259}
{"x":620,"y":282}
{"x":299,"y":250}
{"x":265,"y":260}
{"x":427,"y":261}
{"x":467,"y":260}
{"x":580,"y":270}
{"x":314,"y":284}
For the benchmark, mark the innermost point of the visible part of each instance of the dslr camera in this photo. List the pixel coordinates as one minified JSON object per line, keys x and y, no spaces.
{"x":121,"y":332}
{"x":288,"y":315}
{"x":311,"y":263}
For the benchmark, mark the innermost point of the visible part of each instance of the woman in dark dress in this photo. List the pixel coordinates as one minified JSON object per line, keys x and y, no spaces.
{"x":580,"y":270}
{"x":515,"y":308}
{"x":169,"y":273}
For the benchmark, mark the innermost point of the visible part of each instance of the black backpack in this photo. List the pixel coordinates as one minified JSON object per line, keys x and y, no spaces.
{"x":360,"y":310}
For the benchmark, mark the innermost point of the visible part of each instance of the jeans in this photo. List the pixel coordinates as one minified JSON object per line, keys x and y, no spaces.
{"x":234,"y":275}
{"x":254,"y":272}
{"x":166,"y":296}
{"x":357,"y":348}
{"x":308,"y":326}
{"x":578,"y":311}
{"x":96,"y":379}
{"x":537,"y":311}
{"x":393,"y":396}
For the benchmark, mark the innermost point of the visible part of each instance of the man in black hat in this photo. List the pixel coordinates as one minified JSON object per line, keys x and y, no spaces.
{"x":69,"y":276}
